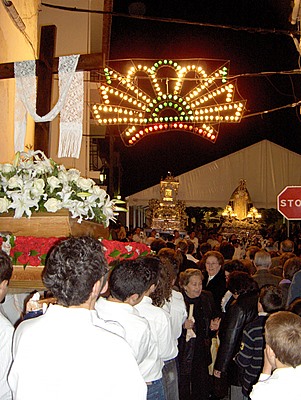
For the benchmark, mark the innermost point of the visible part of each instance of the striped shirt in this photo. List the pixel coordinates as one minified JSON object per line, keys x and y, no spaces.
{"x":250,"y":356}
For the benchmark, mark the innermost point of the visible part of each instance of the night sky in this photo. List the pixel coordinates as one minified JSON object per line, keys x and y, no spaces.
{"x":249,"y":53}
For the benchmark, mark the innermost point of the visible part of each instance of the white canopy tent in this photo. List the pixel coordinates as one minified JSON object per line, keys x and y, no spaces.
{"x":266,"y":167}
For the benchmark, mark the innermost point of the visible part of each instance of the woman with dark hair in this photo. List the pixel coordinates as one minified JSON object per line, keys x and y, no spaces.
{"x":194,"y":343}
{"x":230,"y":266}
{"x":239,"y":313}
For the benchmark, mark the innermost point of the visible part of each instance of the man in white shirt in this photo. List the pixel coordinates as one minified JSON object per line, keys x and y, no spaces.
{"x":158,"y":319}
{"x":127,"y":284}
{"x":6,"y":328}
{"x":62,"y":354}
{"x":281,"y":374}
{"x":192,"y":236}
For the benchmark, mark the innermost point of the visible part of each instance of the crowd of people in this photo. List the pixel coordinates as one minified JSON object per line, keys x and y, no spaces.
{"x":194,"y":320}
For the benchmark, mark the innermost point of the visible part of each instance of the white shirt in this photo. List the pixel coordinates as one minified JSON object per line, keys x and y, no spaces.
{"x":284,"y":383}
{"x":137,"y":238}
{"x":195,"y":241}
{"x":160,"y":326}
{"x":136,"y":332}
{"x":177,"y":310}
{"x":13,"y":306}
{"x":178,"y":314}
{"x":6,"y":338}
{"x":62,"y":355}
{"x":239,"y":253}
{"x":191,"y":258}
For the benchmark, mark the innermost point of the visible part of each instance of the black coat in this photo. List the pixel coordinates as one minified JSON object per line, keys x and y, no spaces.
{"x":217,"y":286}
{"x":204,"y":311}
{"x":194,"y":356}
{"x":239,"y":313}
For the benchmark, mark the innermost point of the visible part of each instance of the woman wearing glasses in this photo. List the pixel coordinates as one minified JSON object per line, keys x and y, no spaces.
{"x":214,"y":276}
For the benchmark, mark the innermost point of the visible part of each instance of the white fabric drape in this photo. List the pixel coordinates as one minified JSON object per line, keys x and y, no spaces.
{"x":71,"y":123}
{"x":69,"y":104}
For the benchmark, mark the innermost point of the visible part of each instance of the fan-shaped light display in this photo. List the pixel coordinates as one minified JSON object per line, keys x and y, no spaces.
{"x":158,"y":96}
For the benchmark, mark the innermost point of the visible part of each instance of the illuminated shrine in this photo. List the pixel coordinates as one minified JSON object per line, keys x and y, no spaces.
{"x":145,"y":97}
{"x":240,"y":214}
{"x":168,"y":213}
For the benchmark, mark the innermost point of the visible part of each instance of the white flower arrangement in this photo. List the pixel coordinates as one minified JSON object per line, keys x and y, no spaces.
{"x":36,"y":183}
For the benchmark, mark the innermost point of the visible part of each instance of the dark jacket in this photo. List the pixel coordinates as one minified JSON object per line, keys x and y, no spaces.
{"x":194,"y":356}
{"x":217,"y":286}
{"x":264,"y":277}
{"x":204,"y":311}
{"x":240,"y":312}
{"x":250,"y":356}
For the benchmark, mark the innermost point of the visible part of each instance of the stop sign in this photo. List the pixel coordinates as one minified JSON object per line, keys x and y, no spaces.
{"x":289,"y":202}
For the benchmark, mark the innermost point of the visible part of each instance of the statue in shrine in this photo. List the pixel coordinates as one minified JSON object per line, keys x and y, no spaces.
{"x":240,"y":201}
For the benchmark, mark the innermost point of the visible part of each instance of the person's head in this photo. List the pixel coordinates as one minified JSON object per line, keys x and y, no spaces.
{"x":157,"y":245}
{"x":287,"y":246}
{"x":270,"y":299}
{"x":213,"y":262}
{"x":6,"y":270}
{"x":270,"y":241}
{"x":174,"y":257}
{"x":283,"y":338}
{"x":192,"y":234}
{"x":152,"y":267}
{"x":262,"y":259}
{"x":295,"y":306}
{"x":153,"y":233}
{"x":290,"y":267}
{"x":249,"y":265}
{"x":129,"y":235}
{"x":137,"y":231}
{"x":182,"y":246}
{"x":130,"y":279}
{"x":176,"y":234}
{"x":234,"y":265}
{"x":251,"y":251}
{"x":227,"y":250}
{"x":190,"y":247}
{"x":220,"y":238}
{"x":190,"y":281}
{"x":232,"y":237}
{"x":74,"y":270}
{"x":204,"y":247}
{"x":241,"y":283}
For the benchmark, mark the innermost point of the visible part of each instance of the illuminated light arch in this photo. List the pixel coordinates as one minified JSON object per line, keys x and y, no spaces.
{"x":158,"y":96}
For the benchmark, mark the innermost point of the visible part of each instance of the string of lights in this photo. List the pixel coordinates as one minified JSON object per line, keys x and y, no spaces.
{"x":292,"y":105}
{"x":178,"y":21}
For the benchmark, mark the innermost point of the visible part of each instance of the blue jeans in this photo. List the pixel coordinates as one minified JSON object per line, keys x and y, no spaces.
{"x":155,"y":390}
{"x":236,"y":393}
{"x":170,"y":380}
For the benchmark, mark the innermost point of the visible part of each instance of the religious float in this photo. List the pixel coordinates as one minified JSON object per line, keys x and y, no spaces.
{"x":168,"y":213}
{"x":41,"y":203}
{"x":240,"y":216}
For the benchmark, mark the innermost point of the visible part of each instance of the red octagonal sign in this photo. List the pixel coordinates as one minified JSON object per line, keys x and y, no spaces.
{"x":289,"y":202}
